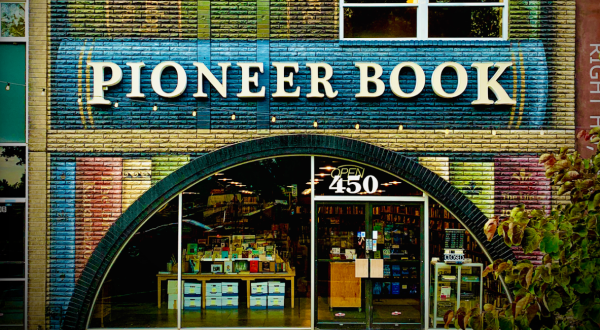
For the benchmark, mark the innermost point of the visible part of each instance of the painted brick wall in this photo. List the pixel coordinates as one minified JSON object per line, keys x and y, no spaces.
{"x":494,"y":171}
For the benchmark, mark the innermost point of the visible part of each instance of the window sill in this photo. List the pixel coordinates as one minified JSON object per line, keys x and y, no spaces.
{"x":430,"y":42}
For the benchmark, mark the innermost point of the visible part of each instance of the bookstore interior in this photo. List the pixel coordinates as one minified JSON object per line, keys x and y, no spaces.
{"x":301,"y":242}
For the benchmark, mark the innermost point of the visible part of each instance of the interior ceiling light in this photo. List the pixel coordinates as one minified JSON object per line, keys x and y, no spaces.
{"x":328,"y":168}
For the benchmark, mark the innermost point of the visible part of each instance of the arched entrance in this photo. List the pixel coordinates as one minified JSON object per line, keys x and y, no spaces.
{"x":434,"y":186}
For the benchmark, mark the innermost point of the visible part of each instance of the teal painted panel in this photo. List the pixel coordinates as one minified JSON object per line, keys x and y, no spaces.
{"x":12,"y":102}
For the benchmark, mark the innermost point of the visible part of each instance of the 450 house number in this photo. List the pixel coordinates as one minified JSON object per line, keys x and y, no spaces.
{"x":349,"y":179}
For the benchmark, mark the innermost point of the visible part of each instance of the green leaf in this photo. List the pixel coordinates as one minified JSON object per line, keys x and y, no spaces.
{"x":515,"y":233}
{"x":505,"y":323}
{"x":531,"y":240}
{"x":521,"y":323}
{"x":589,"y":325}
{"x":549,"y":243}
{"x":553,"y":300}
{"x":583,"y":285}
{"x":594,"y":313}
{"x":579,"y":310}
{"x":580,"y":230}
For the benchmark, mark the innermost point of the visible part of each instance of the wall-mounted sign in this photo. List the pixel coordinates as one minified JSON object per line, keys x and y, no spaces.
{"x":587,"y":76}
{"x":285,"y":80}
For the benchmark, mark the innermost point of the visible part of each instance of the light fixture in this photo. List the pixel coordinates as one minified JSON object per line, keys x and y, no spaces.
{"x":357,"y":126}
{"x":315,"y":124}
{"x":43,"y":92}
{"x":233,"y":116}
{"x":7,"y":86}
{"x":401,"y":127}
{"x":194,"y":113}
{"x":542,"y":132}
{"x":328,"y":168}
{"x":395,"y":182}
{"x":386,"y":184}
{"x":155,"y":107}
{"x":321,"y":174}
{"x":219,"y":173}
{"x":79,"y":99}
{"x":273,"y":119}
{"x":494,"y":131}
{"x":306,"y":191}
{"x":447,"y":131}
{"x":117,"y":104}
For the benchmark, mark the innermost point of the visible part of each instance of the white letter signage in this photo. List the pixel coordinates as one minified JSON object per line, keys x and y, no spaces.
{"x":365,"y":80}
{"x":315,"y":81}
{"x":246,"y":80}
{"x":181,"y":79}
{"x":436,"y":80}
{"x":100,"y":83}
{"x":483,"y":85}
{"x":204,"y":72}
{"x":282,"y":79}
{"x":419,"y":76}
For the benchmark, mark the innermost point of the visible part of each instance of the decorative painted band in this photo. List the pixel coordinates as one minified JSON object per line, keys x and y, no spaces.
{"x":526,"y":82}
{"x":435,"y":186}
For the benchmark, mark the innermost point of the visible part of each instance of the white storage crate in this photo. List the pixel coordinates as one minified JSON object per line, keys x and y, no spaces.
{"x":192,"y":289}
{"x":229,"y":302}
{"x":258,"y":302}
{"x":192,"y":303}
{"x":213,"y":302}
{"x":259,"y":288}
{"x":276,"y":288}
{"x":213,"y":289}
{"x":172,"y":301}
{"x":229,"y":288}
{"x":275,"y":302}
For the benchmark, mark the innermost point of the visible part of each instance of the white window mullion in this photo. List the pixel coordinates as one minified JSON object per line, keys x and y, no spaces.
{"x":505,"y":14}
{"x":423,"y":20}
{"x":341,"y":14}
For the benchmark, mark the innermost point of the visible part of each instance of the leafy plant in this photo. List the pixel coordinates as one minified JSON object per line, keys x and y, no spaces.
{"x":563,"y":292}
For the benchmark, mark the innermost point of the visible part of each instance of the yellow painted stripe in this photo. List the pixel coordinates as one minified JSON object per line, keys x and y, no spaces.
{"x":514,"y":94}
{"x":523,"y":89}
{"x":87,"y":88}
{"x":80,"y":86}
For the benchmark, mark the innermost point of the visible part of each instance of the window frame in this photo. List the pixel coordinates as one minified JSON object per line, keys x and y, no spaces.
{"x":423,"y":18}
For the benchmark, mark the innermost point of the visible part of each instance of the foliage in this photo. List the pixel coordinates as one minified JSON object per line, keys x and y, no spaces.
{"x":563,"y":292}
{"x":17,"y":189}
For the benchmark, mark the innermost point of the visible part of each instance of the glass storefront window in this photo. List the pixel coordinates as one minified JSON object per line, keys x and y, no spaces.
{"x":247,"y":254}
{"x":12,"y":240}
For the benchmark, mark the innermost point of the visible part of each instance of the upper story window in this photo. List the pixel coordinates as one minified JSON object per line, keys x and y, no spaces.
{"x":13,"y":21}
{"x":424,"y":19}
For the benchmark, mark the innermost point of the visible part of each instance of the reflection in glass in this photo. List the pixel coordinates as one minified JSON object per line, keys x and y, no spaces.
{"x":465,"y":22}
{"x":12,"y":171}
{"x":397,"y":296}
{"x":466,"y":1}
{"x":246,"y":235}
{"x":131,"y":295}
{"x":12,"y":240}
{"x":381,"y":1}
{"x":340,"y":294}
{"x":12,"y":304}
{"x":382,"y":22}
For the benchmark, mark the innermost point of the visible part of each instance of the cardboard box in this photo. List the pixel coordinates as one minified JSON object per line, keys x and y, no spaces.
{"x":259,"y":288}
{"x":275,"y":302}
{"x":172,"y":286}
{"x":253,"y":266}
{"x":276,"y":288}
{"x":192,"y":289}
{"x":258,"y":302}
{"x":172,"y":301}
{"x":229,"y":302}
{"x":213,"y":290}
{"x":229,"y":288}
{"x":213,"y":302}
{"x":192,"y":303}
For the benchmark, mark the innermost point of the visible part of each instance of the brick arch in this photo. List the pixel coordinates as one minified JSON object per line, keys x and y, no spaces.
{"x":108,"y":249}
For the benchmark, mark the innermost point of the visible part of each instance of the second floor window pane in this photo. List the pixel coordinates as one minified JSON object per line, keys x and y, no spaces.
{"x":382,"y":22}
{"x":465,"y":22}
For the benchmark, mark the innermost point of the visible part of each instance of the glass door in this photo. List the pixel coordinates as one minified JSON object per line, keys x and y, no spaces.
{"x":369,"y":265}
{"x":341,"y":244}
{"x":398,"y":241}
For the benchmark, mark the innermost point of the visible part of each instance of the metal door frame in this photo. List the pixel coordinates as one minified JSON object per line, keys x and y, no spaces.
{"x":366,"y":199}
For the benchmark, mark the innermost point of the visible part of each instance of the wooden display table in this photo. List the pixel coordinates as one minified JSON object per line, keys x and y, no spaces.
{"x":243,"y":277}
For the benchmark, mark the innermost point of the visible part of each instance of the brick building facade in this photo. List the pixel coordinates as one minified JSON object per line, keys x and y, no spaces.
{"x":88,"y":164}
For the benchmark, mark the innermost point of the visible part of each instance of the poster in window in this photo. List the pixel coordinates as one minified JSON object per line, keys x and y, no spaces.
{"x":12,"y":171}
{"x":12,"y":20}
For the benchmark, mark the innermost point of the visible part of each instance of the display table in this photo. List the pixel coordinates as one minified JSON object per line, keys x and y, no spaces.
{"x":243,"y":277}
